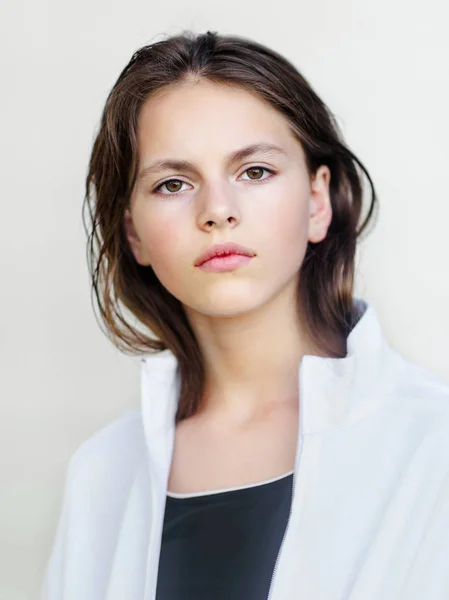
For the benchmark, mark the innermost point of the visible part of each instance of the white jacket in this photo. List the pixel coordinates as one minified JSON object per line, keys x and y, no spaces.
{"x":370,"y":505}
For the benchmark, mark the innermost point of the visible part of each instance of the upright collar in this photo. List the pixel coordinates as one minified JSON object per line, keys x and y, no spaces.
{"x":333,"y":392}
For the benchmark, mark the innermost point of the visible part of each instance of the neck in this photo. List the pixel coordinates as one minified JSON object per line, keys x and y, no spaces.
{"x":252,"y":360}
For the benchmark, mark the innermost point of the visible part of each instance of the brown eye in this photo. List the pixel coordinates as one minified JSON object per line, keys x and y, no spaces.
{"x":255,"y":173}
{"x":173,"y":182}
{"x":255,"y":170}
{"x":177,"y":183}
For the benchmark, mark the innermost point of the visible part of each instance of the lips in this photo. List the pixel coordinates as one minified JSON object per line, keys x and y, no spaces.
{"x":223,"y":249}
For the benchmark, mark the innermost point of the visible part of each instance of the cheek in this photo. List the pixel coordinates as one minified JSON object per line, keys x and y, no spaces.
{"x":286,"y":228}
{"x":161,"y":243}
{"x":284,"y":207}
{"x":164,"y":245}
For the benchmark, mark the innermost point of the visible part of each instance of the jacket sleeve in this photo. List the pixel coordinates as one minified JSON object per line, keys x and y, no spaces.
{"x":98,"y":481}
{"x":53,"y":582}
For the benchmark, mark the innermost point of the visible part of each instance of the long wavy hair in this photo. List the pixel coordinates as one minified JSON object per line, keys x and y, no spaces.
{"x":139,"y":313}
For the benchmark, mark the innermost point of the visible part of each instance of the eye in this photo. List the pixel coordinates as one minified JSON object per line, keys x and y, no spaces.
{"x":168,"y":182}
{"x":258,"y":169}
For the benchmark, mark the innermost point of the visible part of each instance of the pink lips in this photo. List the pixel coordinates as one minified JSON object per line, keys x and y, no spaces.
{"x":225,"y":263}
{"x":224,"y":256}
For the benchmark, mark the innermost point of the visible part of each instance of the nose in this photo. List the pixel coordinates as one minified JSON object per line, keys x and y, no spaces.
{"x":218,"y":206}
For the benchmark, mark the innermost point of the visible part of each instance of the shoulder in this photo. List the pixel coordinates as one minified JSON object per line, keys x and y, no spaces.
{"x":115,"y":449}
{"x":420,"y":393}
{"x":99,"y":478}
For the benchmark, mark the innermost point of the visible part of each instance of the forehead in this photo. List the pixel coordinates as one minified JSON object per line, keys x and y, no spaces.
{"x":203,"y":116}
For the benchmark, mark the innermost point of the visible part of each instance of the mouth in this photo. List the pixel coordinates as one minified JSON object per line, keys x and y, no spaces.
{"x":228,"y":262}
{"x":223,"y":250}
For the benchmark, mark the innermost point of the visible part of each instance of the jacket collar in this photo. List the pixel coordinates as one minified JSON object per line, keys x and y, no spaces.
{"x":333,"y":392}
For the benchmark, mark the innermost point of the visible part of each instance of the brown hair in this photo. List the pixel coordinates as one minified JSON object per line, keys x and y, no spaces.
{"x":327,"y":272}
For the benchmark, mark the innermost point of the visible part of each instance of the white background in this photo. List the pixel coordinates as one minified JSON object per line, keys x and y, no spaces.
{"x":381,"y":66}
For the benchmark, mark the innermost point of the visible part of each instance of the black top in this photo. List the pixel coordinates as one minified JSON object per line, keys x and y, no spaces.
{"x":223,"y":544}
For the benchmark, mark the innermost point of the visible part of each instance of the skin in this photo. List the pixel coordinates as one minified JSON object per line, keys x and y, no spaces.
{"x":245,"y":320}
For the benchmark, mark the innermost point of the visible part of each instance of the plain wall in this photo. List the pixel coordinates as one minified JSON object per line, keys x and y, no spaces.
{"x":381,"y":66}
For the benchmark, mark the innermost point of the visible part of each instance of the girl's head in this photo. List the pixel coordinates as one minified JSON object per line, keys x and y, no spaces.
{"x":267,"y":169}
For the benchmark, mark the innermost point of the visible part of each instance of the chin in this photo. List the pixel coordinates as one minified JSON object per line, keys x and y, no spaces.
{"x":228,"y":305}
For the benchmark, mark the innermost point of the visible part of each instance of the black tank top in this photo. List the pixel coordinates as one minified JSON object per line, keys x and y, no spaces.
{"x":223,"y":544}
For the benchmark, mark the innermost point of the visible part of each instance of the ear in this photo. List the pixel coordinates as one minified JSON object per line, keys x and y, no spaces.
{"x":134,"y":240}
{"x":320,"y":215}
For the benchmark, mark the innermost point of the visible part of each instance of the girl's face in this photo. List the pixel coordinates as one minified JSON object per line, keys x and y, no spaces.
{"x":264,"y":201}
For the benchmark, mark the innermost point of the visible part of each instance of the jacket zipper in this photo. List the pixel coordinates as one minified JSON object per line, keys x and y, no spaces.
{"x":299,"y":449}
{"x":153,"y":559}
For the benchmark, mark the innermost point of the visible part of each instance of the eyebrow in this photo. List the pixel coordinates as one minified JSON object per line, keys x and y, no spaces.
{"x":233,"y":157}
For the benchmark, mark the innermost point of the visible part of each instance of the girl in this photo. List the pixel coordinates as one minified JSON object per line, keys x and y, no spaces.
{"x":283,"y":450}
